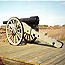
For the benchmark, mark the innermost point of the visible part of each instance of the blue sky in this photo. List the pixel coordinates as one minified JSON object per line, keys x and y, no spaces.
{"x":50,"y":12}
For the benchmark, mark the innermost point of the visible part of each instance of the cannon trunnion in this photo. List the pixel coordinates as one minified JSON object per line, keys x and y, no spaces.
{"x":27,"y":29}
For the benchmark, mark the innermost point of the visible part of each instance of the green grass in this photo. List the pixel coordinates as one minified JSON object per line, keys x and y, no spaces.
{"x":40,"y":25}
{"x":62,"y":39}
{"x":43,"y":25}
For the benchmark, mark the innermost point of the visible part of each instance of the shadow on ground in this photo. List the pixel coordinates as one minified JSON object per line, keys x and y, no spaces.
{"x":38,"y":43}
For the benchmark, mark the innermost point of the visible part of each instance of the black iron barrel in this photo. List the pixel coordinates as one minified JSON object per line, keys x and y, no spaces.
{"x":30,"y":21}
{"x":5,"y":22}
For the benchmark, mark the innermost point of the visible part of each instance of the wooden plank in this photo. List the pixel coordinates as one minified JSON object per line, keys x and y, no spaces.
{"x":36,"y":53}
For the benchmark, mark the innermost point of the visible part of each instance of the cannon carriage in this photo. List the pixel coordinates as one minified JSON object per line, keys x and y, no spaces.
{"x":27,"y":29}
{"x":15,"y":29}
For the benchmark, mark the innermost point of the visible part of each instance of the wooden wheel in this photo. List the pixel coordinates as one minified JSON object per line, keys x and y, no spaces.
{"x":29,"y":38}
{"x":14,"y":31}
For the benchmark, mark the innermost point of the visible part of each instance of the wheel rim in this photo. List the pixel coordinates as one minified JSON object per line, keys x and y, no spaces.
{"x":14,"y":31}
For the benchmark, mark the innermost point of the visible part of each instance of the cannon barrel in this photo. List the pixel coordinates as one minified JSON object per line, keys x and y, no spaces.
{"x":5,"y":22}
{"x":30,"y":21}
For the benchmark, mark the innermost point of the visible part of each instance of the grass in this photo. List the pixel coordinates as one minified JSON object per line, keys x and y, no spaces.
{"x":62,"y":39}
{"x":40,"y":25}
{"x":43,"y":25}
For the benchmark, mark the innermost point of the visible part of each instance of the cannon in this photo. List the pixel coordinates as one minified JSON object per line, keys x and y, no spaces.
{"x":27,"y":29}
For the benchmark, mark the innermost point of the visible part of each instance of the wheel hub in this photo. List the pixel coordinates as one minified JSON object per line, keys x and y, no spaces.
{"x":14,"y":31}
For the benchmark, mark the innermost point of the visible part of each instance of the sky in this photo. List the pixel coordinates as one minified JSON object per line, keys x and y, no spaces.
{"x":50,"y":12}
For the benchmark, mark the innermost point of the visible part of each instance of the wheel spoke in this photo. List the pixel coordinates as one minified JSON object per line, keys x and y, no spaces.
{"x":25,"y":36}
{"x":16,"y":23}
{"x":28,"y":37}
{"x":10,"y":36}
{"x":13,"y":21}
{"x":9,"y":29}
{"x":14,"y":40}
{"x":18,"y":28}
{"x":31,"y":36}
{"x":7,"y":25}
{"x":18,"y":32}
{"x":18,"y":36}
